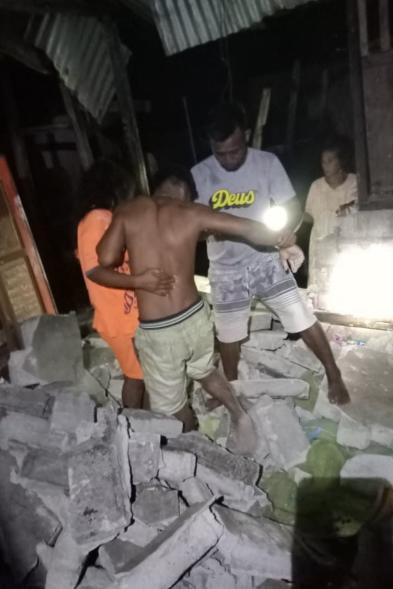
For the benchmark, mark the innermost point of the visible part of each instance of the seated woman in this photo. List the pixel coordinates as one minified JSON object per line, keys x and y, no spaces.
{"x":334,"y":195}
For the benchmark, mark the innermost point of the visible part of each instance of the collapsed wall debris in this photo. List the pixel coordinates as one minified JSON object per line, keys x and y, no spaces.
{"x":93,"y":496}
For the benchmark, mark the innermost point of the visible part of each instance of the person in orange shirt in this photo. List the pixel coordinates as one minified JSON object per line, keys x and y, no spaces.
{"x":102,"y":187}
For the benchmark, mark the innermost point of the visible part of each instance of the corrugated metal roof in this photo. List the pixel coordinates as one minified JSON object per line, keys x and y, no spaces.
{"x":78,"y":48}
{"x":186,"y":23}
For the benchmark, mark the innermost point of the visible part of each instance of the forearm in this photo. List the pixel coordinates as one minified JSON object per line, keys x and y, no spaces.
{"x":295,"y":214}
{"x":112,"y":279}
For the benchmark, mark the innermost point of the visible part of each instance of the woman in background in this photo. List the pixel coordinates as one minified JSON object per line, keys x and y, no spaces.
{"x":332,"y":196}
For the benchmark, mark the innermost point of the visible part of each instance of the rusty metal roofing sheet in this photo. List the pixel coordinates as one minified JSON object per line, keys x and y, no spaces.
{"x":78,"y":48}
{"x":186,"y":23}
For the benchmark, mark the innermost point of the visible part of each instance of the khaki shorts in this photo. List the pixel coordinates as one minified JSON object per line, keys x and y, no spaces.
{"x":170,"y":355}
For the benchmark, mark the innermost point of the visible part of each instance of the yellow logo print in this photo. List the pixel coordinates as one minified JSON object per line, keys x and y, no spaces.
{"x":224,"y":199}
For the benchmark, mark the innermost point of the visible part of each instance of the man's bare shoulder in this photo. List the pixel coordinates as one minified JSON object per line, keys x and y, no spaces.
{"x":138,"y":203}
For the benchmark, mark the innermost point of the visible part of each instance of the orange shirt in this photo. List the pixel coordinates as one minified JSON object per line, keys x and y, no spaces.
{"x":115,"y":310}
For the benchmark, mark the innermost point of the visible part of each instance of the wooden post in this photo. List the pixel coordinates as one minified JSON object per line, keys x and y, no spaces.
{"x":384,"y":25}
{"x":292,"y":110}
{"x":263,"y":111}
{"x":78,"y":125}
{"x":189,"y":129}
{"x":126,"y":106}
{"x":363,"y":27}
{"x":359,"y":120}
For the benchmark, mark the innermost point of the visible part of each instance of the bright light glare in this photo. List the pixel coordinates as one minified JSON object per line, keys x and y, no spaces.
{"x":275,"y":218}
{"x":361,"y":283}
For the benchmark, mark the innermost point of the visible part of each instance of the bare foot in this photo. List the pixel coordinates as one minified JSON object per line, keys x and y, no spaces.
{"x":212,"y":404}
{"x":243,"y":438}
{"x":337,"y":392}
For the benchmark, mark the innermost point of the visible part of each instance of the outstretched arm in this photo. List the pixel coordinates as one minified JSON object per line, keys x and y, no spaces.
{"x":252,"y":231}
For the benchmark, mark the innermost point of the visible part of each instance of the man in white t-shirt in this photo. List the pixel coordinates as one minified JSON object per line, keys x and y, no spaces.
{"x":244,"y":182}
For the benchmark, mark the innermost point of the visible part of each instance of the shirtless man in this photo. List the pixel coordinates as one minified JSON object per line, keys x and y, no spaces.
{"x":175,"y":338}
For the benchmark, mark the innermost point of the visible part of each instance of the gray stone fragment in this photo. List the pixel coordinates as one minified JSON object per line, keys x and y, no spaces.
{"x":211,"y":455}
{"x":274,"y":387}
{"x":95,"y":578}
{"x":67,"y":563}
{"x":265,"y":340}
{"x":139,"y":533}
{"x":156,"y":505}
{"x":24,"y":522}
{"x":144,"y":454}
{"x":274,"y":584}
{"x":115,"y":556}
{"x":272,"y":364}
{"x":153,"y":422}
{"x":353,"y":434}
{"x":22,"y":368}
{"x":195,"y":491}
{"x":255,"y":546}
{"x":54,"y":349}
{"x":36,"y":402}
{"x":368,"y":466}
{"x":69,"y":410}
{"x":49,"y":466}
{"x":26,"y":429}
{"x":176,"y":466}
{"x":210,"y":574}
{"x":174,"y":551}
{"x":99,"y":481}
{"x":235,"y":493}
{"x":298,"y":353}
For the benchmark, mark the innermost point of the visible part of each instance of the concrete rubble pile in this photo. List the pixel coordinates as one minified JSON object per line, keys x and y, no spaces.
{"x":114,"y":499}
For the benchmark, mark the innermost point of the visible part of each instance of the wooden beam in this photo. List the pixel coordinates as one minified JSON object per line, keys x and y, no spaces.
{"x":363,"y":26}
{"x":126,"y":106}
{"x":384,"y":25}
{"x":81,"y":136}
{"x":359,"y":118}
{"x":293,"y":101}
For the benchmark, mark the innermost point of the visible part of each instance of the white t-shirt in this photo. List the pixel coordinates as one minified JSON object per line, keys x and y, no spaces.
{"x":246,"y":192}
{"x":323,"y":201}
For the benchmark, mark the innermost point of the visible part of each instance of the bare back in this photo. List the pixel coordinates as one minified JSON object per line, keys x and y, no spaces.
{"x":162,"y":233}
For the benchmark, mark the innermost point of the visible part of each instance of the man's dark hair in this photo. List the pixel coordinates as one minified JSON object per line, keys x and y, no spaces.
{"x":103,"y":186}
{"x":176,"y":174}
{"x":224,"y":119}
{"x":341,"y":146}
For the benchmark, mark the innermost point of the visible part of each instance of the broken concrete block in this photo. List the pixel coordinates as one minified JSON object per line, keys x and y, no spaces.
{"x":99,"y":482}
{"x":66,"y":564}
{"x":368,"y":466}
{"x":255,"y":546}
{"x":152,"y":422}
{"x":287,"y":442}
{"x":247,"y":372}
{"x":24,"y":522}
{"x":353,"y":434}
{"x":22,"y":368}
{"x":26,"y":429}
{"x":195,"y":491}
{"x":216,"y":458}
{"x":298,"y":353}
{"x":176,"y":466}
{"x":381,"y":435}
{"x":259,"y":320}
{"x":298,"y":475}
{"x":156,"y":505}
{"x":144,"y":454}
{"x":37,"y":402}
{"x":274,"y":387}
{"x":54,"y":349}
{"x":274,"y":584}
{"x":70,"y":410}
{"x":211,"y":574}
{"x":174,"y":551}
{"x":139,"y":533}
{"x":45,"y":465}
{"x":95,"y":578}
{"x":265,"y":340}
{"x":272,"y":364}
{"x":115,"y":555}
